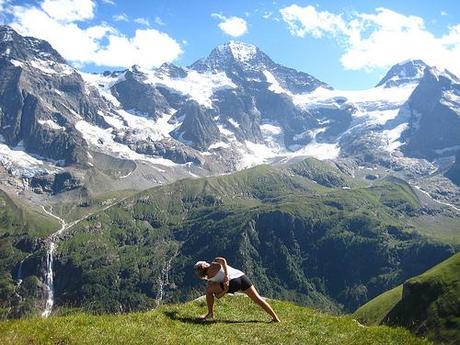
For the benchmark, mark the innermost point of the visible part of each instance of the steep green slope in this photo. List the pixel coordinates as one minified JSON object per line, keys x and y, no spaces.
{"x":428,"y":304}
{"x":20,"y":231}
{"x":238,"y":321}
{"x":326,"y":247}
{"x":324,"y":173}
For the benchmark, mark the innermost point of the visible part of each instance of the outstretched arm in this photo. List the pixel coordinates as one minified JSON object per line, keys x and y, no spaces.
{"x":223,"y":263}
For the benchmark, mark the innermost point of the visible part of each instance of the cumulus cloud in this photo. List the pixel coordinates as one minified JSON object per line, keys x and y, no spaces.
{"x":100,"y":44}
{"x":122,"y":17}
{"x":307,"y":20}
{"x":69,"y":10}
{"x":233,"y":26}
{"x":377,"y":40}
{"x":142,"y":21}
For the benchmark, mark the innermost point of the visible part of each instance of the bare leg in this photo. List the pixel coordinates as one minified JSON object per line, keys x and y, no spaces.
{"x":213,"y":288}
{"x":254,"y":295}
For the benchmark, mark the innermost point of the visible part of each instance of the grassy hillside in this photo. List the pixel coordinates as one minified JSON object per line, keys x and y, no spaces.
{"x":238,"y":321}
{"x":335,"y":248}
{"x":324,"y":173}
{"x":428,"y":304}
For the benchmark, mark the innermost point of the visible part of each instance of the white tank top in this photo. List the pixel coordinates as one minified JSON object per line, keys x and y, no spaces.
{"x":232,"y":274}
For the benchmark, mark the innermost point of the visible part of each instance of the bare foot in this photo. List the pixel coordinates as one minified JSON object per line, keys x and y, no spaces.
{"x":208,"y":317}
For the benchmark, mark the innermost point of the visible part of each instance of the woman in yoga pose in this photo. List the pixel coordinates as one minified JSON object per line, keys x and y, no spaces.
{"x":222,"y":279}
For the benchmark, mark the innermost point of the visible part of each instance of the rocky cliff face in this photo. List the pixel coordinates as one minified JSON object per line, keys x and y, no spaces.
{"x":41,"y":98}
{"x":434,"y":128}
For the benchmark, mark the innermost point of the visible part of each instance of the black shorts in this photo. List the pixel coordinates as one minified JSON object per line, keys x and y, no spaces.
{"x":238,"y":284}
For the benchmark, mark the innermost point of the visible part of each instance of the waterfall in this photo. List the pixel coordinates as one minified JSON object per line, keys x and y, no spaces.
{"x":163,"y":278}
{"x":49,"y":280}
{"x":52,"y":244}
{"x":49,"y":274}
{"x":19,"y":273}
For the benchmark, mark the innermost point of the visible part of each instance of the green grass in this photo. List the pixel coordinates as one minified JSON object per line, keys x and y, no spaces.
{"x":429,"y":306}
{"x":441,"y":228}
{"x":318,"y":234}
{"x":17,"y":218}
{"x":238,"y":321}
{"x":373,"y":312}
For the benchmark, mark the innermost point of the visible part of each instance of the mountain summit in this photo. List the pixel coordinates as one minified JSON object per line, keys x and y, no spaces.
{"x":244,"y":55}
{"x":409,"y":71}
{"x":17,"y":47}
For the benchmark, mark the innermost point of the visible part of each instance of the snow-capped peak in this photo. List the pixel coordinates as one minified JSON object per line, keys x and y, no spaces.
{"x":408,"y":71}
{"x":242,"y":51}
{"x":231,"y":54}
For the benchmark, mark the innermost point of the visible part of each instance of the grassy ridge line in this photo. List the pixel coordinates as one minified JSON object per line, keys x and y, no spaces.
{"x":427,"y":304}
{"x":238,"y":321}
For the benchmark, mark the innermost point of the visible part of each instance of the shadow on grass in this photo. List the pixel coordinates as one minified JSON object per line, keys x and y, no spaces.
{"x":173,"y":315}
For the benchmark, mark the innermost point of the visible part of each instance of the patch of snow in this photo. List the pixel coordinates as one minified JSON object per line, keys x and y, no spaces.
{"x":270,"y":129}
{"x":452,"y":100}
{"x":218,"y":145}
{"x":242,"y":51}
{"x":103,"y":140}
{"x":392,"y":136}
{"x":227,"y":133}
{"x":51,"y":124}
{"x":377,"y":98}
{"x":16,"y":63}
{"x":320,"y":150}
{"x":198,"y":86}
{"x":311,"y":133}
{"x":50,"y":67}
{"x":274,"y":85}
{"x":20,"y":163}
{"x":233,"y":122}
{"x":254,"y":154}
{"x":103,"y":84}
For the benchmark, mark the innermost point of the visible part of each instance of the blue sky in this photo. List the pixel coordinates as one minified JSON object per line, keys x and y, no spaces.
{"x":348,"y":44}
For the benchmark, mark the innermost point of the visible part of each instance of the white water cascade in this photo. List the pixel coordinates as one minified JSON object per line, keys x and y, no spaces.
{"x":437,"y":201}
{"x":19,"y":273}
{"x":49,"y":275}
{"x":51,"y":241}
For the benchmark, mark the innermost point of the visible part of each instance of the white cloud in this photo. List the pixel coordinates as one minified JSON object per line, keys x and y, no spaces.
{"x":233,"y":26}
{"x":307,"y":20}
{"x":444,"y":13}
{"x":142,"y":21}
{"x":108,"y":2}
{"x":159,"y":21}
{"x":122,"y":17}
{"x":69,"y":10}
{"x":379,"y":39}
{"x":99,"y":44}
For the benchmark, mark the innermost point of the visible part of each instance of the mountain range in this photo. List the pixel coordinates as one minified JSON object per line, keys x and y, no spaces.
{"x":234,"y":109}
